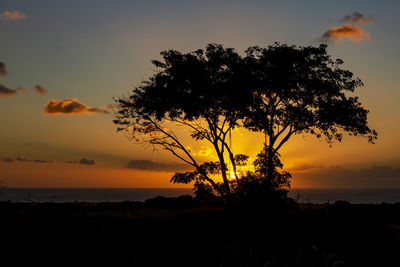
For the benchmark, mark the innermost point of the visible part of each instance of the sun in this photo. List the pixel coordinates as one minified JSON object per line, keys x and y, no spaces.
{"x":232,"y":174}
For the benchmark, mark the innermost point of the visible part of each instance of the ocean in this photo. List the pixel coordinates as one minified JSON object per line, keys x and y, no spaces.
{"x":305,"y":195}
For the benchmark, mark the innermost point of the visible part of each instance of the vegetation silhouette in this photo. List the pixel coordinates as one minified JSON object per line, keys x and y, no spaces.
{"x":173,"y":232}
{"x":279,"y":91}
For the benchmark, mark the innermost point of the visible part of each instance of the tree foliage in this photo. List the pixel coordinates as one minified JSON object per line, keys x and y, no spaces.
{"x":279,"y":178}
{"x":302,"y":90}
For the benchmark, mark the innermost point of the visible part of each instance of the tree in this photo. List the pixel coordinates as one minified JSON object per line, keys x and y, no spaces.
{"x":301,"y":90}
{"x":279,"y":90}
{"x":202,"y":91}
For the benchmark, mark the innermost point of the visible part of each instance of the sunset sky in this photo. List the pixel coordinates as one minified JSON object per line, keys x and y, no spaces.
{"x":84,"y":53}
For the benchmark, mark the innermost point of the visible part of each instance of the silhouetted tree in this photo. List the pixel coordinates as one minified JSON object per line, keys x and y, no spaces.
{"x":279,"y":178}
{"x":279,"y":90}
{"x":204,"y":91}
{"x":254,"y":188}
{"x":301,"y":90}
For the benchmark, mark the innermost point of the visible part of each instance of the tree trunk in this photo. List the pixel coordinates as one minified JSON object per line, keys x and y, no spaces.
{"x":224,"y":177}
{"x":223,"y":169}
{"x":270,"y":165}
{"x":265,"y":156}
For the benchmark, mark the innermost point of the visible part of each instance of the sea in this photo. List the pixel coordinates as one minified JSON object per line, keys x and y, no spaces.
{"x":303,"y":195}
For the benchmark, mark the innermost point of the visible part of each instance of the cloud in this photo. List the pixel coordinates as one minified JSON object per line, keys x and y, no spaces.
{"x":41,"y":161}
{"x":8,"y":160}
{"x":5,"y":92}
{"x":301,"y":167}
{"x":374,"y":176}
{"x":357,"y":18}
{"x":13,"y":15}
{"x":380,"y":171}
{"x":40,"y":90}
{"x":83,"y":161}
{"x":3,"y":71}
{"x":69,"y":107}
{"x":339,"y":34}
{"x":87,"y":161}
{"x":22,"y":159}
{"x":148,"y":165}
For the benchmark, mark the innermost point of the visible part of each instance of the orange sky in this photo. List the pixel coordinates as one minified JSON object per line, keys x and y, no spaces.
{"x":82,"y":55}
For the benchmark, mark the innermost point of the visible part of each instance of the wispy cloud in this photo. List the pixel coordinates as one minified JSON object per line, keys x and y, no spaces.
{"x":148,"y":165}
{"x":40,"y":90}
{"x":337,"y":35}
{"x":22,"y":159}
{"x":357,"y":18}
{"x":83,"y":161}
{"x":13,"y":15}
{"x":5,"y":92}
{"x":69,"y":107}
{"x":7,"y":160}
{"x":374,"y":176}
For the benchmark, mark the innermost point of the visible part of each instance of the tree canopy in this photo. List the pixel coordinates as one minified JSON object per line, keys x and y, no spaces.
{"x":279,"y":90}
{"x":302,"y":90}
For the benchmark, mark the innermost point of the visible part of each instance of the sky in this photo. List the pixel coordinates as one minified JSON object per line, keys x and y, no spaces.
{"x":63,"y":62}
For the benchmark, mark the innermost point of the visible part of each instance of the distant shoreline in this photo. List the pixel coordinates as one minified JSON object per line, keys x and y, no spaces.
{"x":302,"y":195}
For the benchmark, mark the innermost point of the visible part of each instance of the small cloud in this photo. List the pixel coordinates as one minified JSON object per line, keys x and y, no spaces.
{"x":22,"y":159}
{"x":337,"y":35}
{"x":3,"y":71}
{"x":69,"y":107}
{"x":13,"y":15}
{"x":7,"y":160}
{"x":357,"y":18}
{"x":97,"y":110}
{"x":83,"y":161}
{"x":148,"y":165}
{"x":40,"y":90}
{"x":5,"y":92}
{"x":87,"y":161}
{"x":41,"y":161}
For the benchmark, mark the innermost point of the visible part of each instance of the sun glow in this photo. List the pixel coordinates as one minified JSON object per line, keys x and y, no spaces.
{"x":232,"y":174}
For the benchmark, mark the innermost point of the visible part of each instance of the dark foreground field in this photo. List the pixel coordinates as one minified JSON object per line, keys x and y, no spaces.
{"x":182,"y":233}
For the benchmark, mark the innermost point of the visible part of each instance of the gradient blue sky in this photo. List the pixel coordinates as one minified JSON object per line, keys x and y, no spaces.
{"x":96,"y":50}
